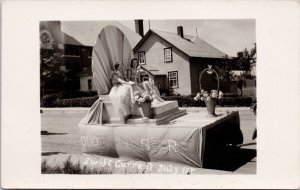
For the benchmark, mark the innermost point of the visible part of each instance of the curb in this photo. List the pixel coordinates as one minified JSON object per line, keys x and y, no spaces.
{"x":188,"y":109}
{"x":65,"y":110}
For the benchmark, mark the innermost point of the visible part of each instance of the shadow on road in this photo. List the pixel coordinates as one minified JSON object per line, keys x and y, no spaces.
{"x":51,"y":153}
{"x":229,"y":159}
{"x":49,"y":133}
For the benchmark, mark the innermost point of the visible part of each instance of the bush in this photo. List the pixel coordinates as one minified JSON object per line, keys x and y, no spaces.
{"x":69,"y":99}
{"x":76,"y":94}
{"x":49,"y":100}
{"x":76,"y":102}
{"x":185,"y":101}
{"x":188,"y":101}
{"x":236,"y":101}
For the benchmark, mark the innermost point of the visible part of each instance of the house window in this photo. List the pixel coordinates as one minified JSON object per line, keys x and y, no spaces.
{"x":141,"y":58}
{"x":173,"y":79}
{"x":168,"y":57}
{"x":90,"y":85}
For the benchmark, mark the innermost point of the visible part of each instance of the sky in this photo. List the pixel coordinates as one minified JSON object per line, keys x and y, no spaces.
{"x":229,"y":36}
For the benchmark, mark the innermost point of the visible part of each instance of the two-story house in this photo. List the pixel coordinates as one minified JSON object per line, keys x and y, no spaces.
{"x":176,"y":60}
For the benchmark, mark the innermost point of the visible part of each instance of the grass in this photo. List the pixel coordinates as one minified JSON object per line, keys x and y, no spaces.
{"x":70,"y":168}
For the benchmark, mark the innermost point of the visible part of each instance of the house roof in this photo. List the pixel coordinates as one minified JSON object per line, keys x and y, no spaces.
{"x":190,"y":45}
{"x":86,"y":32}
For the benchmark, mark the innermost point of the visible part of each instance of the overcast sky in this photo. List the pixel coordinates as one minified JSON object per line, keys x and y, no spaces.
{"x":229,"y":36}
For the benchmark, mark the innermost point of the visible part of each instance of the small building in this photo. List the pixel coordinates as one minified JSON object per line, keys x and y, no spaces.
{"x":176,"y":60}
{"x":86,"y":80}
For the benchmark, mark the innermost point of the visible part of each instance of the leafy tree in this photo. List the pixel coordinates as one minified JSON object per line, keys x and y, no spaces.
{"x":50,"y":74}
{"x":253,"y":60}
{"x":245,"y":59}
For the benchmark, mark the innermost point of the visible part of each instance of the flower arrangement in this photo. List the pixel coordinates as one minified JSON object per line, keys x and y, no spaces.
{"x":141,"y":98}
{"x":144,"y":101}
{"x":210,"y":100}
{"x":205,"y":96}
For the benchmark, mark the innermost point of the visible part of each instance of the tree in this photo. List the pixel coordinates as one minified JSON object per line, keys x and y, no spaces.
{"x":50,"y":74}
{"x":253,"y":60}
{"x":223,"y":69}
{"x":245,"y":59}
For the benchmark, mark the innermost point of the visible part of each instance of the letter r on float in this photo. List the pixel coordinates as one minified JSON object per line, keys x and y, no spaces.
{"x":172,"y":144}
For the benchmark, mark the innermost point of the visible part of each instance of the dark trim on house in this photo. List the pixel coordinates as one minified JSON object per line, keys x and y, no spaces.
{"x":165,"y":55}
{"x":142,"y":40}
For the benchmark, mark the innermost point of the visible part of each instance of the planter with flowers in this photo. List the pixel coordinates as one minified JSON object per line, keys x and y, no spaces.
{"x":210,"y":100}
{"x":209,"y":97}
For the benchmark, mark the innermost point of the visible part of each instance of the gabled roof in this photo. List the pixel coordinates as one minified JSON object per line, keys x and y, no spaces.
{"x":86,"y":32}
{"x":190,"y":45}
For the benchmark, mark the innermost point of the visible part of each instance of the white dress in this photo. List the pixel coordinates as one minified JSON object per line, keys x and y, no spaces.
{"x":121,"y":96}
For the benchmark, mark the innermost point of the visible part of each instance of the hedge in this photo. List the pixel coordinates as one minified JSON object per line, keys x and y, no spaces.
{"x":49,"y":100}
{"x":236,"y":101}
{"x":76,"y":102}
{"x":183,"y":101}
{"x":66,"y":98}
{"x":188,"y":101}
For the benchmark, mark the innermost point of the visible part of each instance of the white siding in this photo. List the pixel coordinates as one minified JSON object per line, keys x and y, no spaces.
{"x":154,"y":52}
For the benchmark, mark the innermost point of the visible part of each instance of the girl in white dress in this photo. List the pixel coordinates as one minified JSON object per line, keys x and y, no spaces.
{"x":121,"y":93}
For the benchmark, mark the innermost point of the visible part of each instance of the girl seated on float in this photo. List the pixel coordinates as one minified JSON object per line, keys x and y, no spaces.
{"x":134,"y":74}
{"x":121,"y":93}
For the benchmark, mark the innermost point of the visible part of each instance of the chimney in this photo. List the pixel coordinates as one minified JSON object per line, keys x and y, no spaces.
{"x":180,"y":31}
{"x":139,"y":27}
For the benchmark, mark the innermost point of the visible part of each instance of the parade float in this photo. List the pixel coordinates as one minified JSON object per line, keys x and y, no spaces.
{"x":163,"y":132}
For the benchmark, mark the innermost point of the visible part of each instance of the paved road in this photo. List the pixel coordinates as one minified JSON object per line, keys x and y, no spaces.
{"x":60,"y":133}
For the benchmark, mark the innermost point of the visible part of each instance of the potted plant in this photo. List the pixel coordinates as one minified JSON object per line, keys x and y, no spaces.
{"x":210,"y":99}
